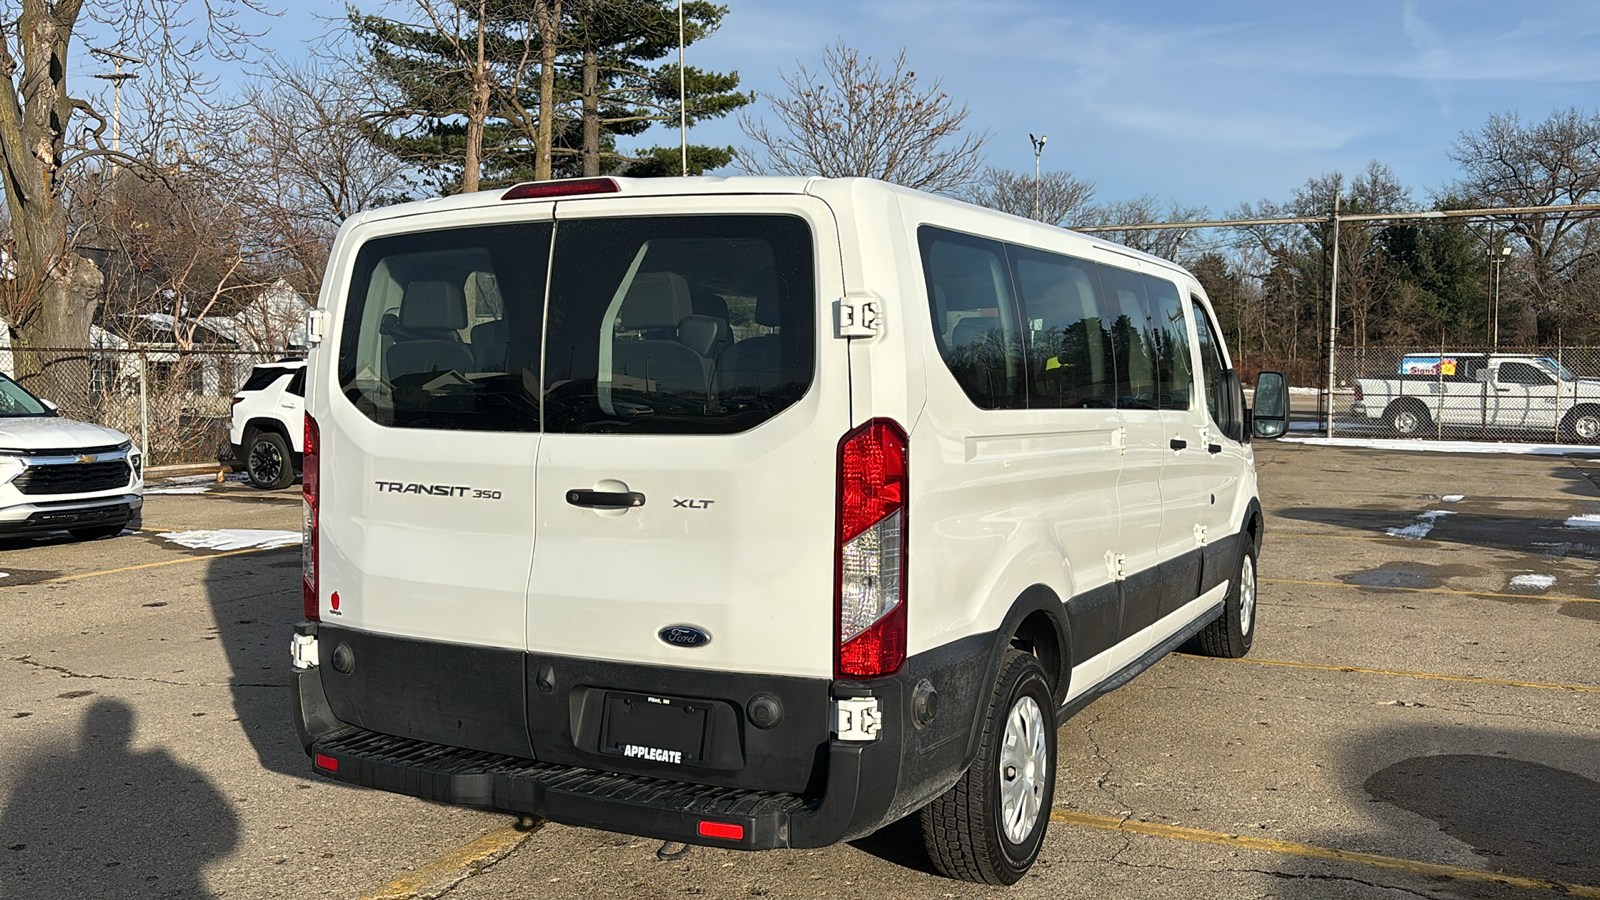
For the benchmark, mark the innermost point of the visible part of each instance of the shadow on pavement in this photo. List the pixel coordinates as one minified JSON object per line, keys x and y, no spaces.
{"x":96,"y":818}
{"x":255,"y":599}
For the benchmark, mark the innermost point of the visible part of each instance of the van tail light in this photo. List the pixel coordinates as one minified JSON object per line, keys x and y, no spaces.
{"x":309,"y":484}
{"x":869,"y":582}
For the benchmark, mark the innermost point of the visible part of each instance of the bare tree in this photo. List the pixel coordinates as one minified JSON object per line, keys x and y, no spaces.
{"x":1166,"y":243}
{"x":1556,"y":161}
{"x":297,"y":156}
{"x":40,"y":146}
{"x":1061,"y":197}
{"x":859,"y":120}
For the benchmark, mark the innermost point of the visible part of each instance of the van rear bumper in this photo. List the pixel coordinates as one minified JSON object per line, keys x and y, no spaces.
{"x":861,"y":787}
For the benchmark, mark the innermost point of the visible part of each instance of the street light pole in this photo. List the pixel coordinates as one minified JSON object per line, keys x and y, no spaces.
{"x":683,"y":103}
{"x":1498,"y":261}
{"x":1038,"y":148}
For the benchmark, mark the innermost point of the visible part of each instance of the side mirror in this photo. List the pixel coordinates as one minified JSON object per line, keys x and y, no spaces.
{"x":1272,"y":405}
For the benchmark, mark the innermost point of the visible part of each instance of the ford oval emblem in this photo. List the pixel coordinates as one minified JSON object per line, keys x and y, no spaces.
{"x":684,"y":636}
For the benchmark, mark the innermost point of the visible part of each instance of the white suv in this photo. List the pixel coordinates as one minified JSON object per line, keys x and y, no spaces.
{"x":266,"y":437}
{"x":60,"y":475}
{"x":758,"y":512}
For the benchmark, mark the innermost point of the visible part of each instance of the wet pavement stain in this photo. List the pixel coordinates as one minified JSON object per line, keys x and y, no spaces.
{"x":1587,"y":611}
{"x":1409,"y":575}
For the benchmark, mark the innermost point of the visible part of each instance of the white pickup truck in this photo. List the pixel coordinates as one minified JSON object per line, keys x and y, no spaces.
{"x":1495,"y":391}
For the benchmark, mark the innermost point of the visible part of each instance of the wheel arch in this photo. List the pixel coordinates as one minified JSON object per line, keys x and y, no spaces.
{"x":1036,"y":624}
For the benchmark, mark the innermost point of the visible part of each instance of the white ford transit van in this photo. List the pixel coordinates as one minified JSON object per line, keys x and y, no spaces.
{"x":754,"y":512}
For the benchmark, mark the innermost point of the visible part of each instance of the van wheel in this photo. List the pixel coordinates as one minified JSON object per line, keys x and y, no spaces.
{"x":267,"y":460}
{"x":989,"y":827}
{"x":1407,"y":418}
{"x":1582,"y":425}
{"x":1231,"y":635}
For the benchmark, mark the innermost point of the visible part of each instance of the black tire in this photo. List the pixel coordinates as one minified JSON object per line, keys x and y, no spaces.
{"x":1582,"y":426}
{"x":1408,"y":418}
{"x":965,"y":829}
{"x":1232,"y":633}
{"x":97,"y":532}
{"x":267,"y":462}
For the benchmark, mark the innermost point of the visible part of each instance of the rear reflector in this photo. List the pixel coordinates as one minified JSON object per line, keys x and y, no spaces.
{"x":571,"y":187}
{"x":722,"y":830}
{"x":324,"y":761}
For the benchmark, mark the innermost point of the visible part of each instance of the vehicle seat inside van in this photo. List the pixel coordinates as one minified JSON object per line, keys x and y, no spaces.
{"x":432,"y":314}
{"x":755,"y":364}
{"x":489,"y":341}
{"x":655,"y":305}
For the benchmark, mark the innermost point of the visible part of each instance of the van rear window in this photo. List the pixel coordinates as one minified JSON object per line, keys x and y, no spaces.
{"x":678,"y":324}
{"x":442,"y":328}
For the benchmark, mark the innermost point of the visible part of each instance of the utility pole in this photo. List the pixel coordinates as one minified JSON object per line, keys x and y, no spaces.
{"x":117,"y":78}
{"x":1038,"y":148}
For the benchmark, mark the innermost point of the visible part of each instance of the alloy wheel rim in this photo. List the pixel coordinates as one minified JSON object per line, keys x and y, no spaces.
{"x":265,"y":463}
{"x":1405,"y":422}
{"x":1247,"y":595}
{"x":1024,"y":761}
{"x":1588,"y":427}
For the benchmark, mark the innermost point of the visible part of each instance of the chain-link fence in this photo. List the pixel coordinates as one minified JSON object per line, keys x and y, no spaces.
{"x":176,"y":404}
{"x":1539,"y":395}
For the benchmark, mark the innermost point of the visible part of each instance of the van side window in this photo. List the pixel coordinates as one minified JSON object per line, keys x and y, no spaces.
{"x":1175,"y":369}
{"x":442,"y":328}
{"x":1071,"y":364}
{"x":974,"y":316}
{"x":1133,"y":335}
{"x":679,"y":324}
{"x":1211,"y":366}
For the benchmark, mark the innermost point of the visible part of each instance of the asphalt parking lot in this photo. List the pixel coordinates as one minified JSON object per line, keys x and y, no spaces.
{"x":1417,"y":718}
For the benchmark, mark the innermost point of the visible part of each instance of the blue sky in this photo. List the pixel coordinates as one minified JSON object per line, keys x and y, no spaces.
{"x":1209,"y":103}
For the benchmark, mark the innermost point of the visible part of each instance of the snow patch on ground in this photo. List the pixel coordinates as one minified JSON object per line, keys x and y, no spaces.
{"x":1534,"y":582}
{"x":1420,"y":528}
{"x":233,"y":539}
{"x":1454,"y":498}
{"x":1434,"y":446}
{"x":1587,"y":522}
{"x":178,"y":489}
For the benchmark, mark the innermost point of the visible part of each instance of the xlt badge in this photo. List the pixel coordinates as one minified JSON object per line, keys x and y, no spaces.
{"x":680,"y":503}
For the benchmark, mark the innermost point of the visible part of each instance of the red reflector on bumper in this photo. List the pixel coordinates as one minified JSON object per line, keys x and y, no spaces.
{"x":323,"y":761}
{"x":722,"y":830}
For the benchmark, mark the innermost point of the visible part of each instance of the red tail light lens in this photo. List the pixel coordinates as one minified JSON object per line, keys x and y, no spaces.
{"x":869,"y":560}
{"x":570,"y":187}
{"x":309,"y":483}
{"x":724,"y":830}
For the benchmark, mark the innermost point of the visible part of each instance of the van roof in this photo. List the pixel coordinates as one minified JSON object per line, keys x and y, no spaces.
{"x":713,"y":185}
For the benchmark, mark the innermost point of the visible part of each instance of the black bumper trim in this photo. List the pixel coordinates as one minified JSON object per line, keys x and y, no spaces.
{"x":119,"y":513}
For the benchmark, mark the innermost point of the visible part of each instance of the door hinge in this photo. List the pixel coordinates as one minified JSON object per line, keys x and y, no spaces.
{"x":857,"y":315}
{"x":857,"y":719}
{"x":316,"y":325}
{"x":1119,"y":440}
{"x":1200,"y":535}
{"x":1116,"y":565}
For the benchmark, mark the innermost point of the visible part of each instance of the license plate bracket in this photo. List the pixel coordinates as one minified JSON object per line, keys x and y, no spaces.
{"x":669,"y":730}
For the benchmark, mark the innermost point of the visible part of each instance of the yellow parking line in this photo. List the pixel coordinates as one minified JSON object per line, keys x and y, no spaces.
{"x":1412,"y":590}
{"x":1291,"y":848}
{"x":166,"y":562}
{"x":473,"y":854}
{"x":1400,"y":673}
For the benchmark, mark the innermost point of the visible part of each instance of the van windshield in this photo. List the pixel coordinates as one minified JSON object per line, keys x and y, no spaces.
{"x":678,"y":324}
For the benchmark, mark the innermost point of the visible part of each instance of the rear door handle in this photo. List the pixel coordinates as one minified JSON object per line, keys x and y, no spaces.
{"x":605,"y":499}
{"x":1178,"y":443}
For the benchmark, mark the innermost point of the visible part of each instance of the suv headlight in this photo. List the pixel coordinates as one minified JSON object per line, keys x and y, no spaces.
{"x":10,"y":467}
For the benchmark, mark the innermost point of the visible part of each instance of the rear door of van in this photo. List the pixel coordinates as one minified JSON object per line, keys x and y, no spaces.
{"x":693,"y":408}
{"x":427,"y":473}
